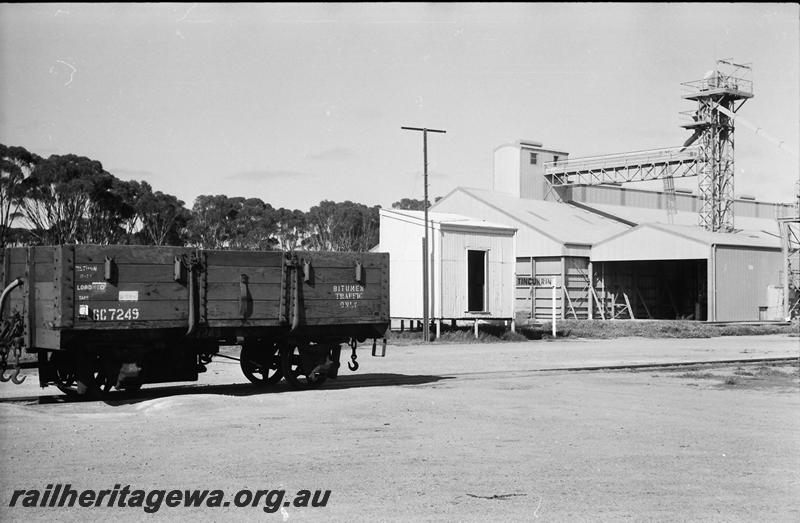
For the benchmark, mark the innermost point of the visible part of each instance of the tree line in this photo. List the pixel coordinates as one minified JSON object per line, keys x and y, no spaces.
{"x":69,"y":199}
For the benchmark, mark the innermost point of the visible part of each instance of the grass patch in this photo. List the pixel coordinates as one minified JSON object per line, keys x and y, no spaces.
{"x":656,"y":329}
{"x":766,"y":371}
{"x":780,"y":376}
{"x":486,"y":334}
{"x":592,"y":329}
{"x":698,"y":375}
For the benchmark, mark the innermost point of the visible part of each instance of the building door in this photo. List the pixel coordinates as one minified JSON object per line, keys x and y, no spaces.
{"x":476,"y":281}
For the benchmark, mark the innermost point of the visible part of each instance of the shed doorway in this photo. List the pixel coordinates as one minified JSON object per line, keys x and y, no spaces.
{"x":657,"y":289}
{"x":476,"y":281}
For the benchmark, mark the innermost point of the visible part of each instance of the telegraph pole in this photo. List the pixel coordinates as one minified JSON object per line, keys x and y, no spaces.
{"x":426,"y":336}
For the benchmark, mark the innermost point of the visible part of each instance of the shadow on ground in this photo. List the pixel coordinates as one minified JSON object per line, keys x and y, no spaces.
{"x":117,"y":398}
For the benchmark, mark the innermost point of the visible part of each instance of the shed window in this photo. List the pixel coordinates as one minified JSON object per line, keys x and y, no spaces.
{"x":476,"y":281}
{"x":555,"y":158}
{"x":533,"y":158}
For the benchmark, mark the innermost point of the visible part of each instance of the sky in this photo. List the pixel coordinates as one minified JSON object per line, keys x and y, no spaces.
{"x":298,"y":103}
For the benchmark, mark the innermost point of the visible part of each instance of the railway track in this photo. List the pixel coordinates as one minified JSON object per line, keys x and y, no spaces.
{"x":378,"y":380}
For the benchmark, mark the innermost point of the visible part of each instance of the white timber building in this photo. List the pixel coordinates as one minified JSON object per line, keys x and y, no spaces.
{"x":471,"y":267}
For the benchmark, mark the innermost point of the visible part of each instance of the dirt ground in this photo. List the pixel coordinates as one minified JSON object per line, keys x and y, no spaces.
{"x":441,"y":433}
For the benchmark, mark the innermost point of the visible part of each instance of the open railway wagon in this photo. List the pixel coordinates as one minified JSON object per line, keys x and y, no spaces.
{"x":103,"y":317}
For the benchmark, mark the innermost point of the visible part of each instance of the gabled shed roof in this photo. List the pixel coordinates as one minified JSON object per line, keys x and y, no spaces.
{"x":652,"y":241}
{"x":562,"y":223}
{"x":446,"y":220}
{"x":639,"y":215}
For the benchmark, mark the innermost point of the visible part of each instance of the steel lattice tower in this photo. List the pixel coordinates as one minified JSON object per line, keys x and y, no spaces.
{"x":790,"y":243}
{"x":719,"y":95}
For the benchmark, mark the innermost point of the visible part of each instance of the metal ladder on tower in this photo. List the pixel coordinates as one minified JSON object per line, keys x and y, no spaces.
{"x":669,"y":196}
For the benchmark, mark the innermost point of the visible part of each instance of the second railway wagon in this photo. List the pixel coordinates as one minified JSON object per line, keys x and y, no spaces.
{"x":103,"y":317}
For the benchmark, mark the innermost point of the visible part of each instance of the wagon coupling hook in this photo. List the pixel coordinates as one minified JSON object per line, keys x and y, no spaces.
{"x":12,"y":376}
{"x":15,"y":377}
{"x":4,"y":364}
{"x":354,"y":365}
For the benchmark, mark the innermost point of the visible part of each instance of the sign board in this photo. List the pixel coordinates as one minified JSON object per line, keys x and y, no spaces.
{"x":537,"y":281}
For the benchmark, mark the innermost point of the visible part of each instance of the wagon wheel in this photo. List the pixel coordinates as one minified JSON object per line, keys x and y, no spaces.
{"x":261,"y":362}
{"x":65,"y":372}
{"x":95,"y":385}
{"x":298,"y":367}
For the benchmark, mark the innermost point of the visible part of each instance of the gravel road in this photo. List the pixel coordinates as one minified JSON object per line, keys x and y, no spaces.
{"x":441,"y":433}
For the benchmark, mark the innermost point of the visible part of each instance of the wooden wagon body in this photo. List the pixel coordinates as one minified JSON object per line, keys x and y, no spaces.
{"x":159,"y":309}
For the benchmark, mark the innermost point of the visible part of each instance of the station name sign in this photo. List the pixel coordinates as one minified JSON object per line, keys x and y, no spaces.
{"x":537,"y":281}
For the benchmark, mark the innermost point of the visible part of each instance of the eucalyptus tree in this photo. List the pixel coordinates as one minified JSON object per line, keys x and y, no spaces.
{"x":16,"y":164}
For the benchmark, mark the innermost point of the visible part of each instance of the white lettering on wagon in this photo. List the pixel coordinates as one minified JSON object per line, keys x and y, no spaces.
{"x":113,"y":314}
{"x":128,"y":296}
{"x":95,"y":286}
{"x":348,"y":295}
{"x":87,"y":273}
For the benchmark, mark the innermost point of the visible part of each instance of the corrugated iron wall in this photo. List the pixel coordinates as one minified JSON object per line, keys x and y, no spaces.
{"x":546,"y":268}
{"x":633,"y":198}
{"x":576,"y":272}
{"x":535,"y":293}
{"x":499,"y":282}
{"x":403,"y":241}
{"x":742,"y":276}
{"x":684,"y":202}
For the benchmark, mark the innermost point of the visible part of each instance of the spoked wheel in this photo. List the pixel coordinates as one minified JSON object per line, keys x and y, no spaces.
{"x":261,"y":362}
{"x":301,"y":366}
{"x":89,"y":384}
{"x":65,"y":372}
{"x":95,"y":386}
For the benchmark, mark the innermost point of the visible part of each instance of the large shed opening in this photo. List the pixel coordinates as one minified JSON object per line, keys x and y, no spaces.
{"x":657,"y":289}
{"x":476,"y":280}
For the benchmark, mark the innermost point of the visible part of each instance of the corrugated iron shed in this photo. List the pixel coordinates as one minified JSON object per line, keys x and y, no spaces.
{"x":737,"y":269}
{"x":544,"y":228}
{"x":454,"y":280}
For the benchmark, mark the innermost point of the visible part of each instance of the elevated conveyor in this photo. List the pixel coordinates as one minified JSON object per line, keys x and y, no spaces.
{"x":638,"y":166}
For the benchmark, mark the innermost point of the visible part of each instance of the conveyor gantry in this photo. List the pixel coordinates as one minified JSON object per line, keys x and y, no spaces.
{"x":638,"y":166}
